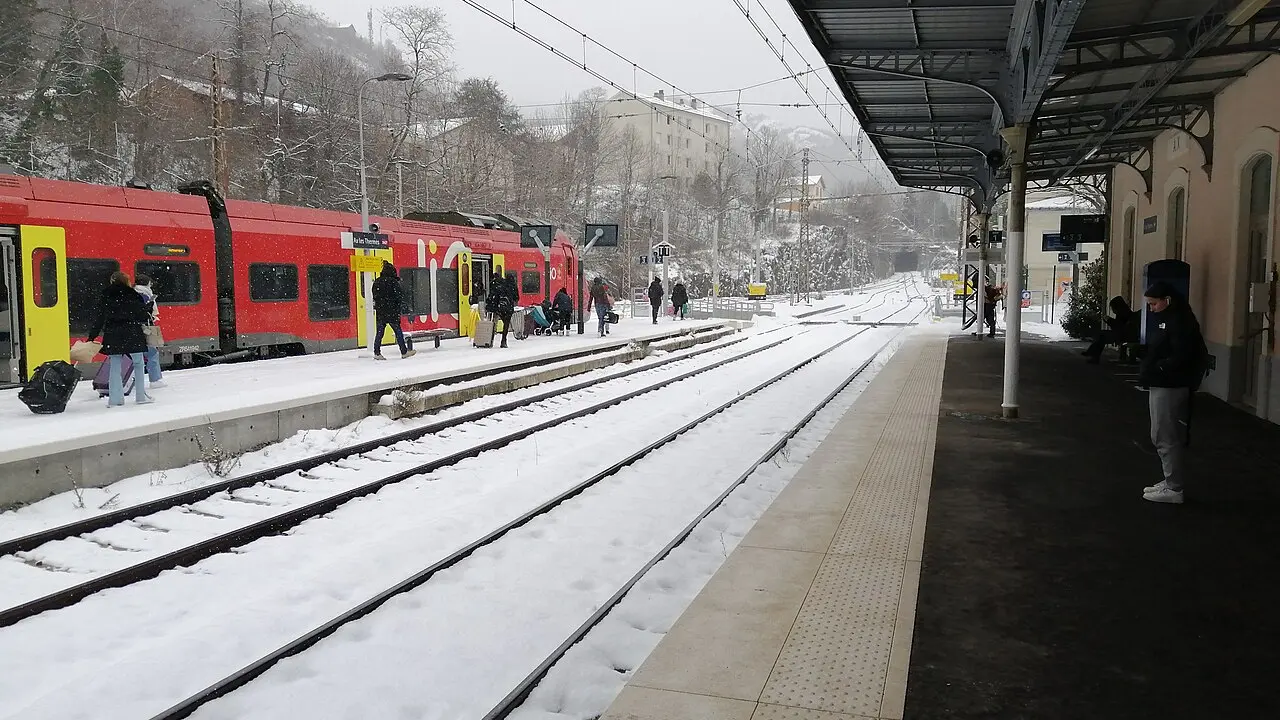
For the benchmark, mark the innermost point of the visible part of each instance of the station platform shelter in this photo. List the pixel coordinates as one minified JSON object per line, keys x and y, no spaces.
{"x":934,"y":560}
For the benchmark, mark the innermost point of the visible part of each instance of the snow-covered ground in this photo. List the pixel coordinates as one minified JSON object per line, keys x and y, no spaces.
{"x":202,"y":395}
{"x":461,"y":641}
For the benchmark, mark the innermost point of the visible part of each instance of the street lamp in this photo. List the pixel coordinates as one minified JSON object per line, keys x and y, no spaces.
{"x":370,"y":330}
{"x":665,"y":280}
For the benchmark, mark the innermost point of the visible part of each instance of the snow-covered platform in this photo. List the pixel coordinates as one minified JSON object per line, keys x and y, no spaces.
{"x":811,"y":616}
{"x":246,"y":405}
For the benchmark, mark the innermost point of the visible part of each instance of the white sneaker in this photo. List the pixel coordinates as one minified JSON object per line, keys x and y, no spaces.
{"x":1162,"y":485}
{"x":157,"y":384}
{"x":1164,"y":495}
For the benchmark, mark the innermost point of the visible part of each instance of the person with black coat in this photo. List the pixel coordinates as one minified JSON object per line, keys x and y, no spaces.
{"x":679,"y":296}
{"x":1172,"y":368}
{"x":388,"y":303}
{"x":562,"y":308}
{"x":599,"y":299}
{"x":120,"y":319}
{"x":1119,"y":329}
{"x":655,"y":297}
{"x":501,"y":302}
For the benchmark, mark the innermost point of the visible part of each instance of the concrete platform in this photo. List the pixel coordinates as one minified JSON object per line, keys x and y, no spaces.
{"x":243,"y":406}
{"x":1052,"y":590}
{"x":811,"y":616}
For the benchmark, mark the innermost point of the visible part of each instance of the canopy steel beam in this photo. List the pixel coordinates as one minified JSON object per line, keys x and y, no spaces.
{"x":1261,"y":34}
{"x":1205,"y":30}
{"x":1036,"y":41}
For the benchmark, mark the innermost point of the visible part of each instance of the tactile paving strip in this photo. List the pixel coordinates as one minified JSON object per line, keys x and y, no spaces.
{"x":836,"y":658}
{"x":780,"y":712}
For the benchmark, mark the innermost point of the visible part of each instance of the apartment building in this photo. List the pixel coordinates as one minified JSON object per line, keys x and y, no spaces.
{"x":685,"y":135}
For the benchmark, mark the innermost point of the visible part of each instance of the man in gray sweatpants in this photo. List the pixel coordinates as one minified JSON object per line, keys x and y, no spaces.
{"x":1172,"y":368}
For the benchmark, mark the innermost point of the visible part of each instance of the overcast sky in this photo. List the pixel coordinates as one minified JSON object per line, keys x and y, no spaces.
{"x":700,"y":46}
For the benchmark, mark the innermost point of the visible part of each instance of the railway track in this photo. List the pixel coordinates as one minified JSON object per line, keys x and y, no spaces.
{"x":246,"y":674}
{"x":249,"y":489}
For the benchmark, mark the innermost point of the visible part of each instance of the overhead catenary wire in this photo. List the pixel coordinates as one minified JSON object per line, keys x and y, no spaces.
{"x":745,"y":7}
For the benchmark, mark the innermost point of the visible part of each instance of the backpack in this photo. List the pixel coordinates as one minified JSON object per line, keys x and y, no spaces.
{"x":50,"y":387}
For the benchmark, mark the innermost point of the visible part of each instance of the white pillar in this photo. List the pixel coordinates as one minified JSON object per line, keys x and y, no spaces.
{"x":1015,"y":244}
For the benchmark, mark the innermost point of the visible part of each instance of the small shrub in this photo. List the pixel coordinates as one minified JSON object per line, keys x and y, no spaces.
{"x":1086,"y":306}
{"x":217,"y":460}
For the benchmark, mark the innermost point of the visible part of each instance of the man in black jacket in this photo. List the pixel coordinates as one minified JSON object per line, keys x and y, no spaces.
{"x":655,"y":298}
{"x":388,"y":300}
{"x":501,"y":302}
{"x":1172,"y":368}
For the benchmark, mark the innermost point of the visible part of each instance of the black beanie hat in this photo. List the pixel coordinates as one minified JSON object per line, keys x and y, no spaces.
{"x":1160,"y":289}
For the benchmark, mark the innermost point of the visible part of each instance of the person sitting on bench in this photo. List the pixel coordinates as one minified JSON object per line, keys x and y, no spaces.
{"x":1118,"y":330}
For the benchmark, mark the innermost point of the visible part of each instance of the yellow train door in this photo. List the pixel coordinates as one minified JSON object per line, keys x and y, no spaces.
{"x":361,"y":330}
{"x":43,"y":327}
{"x":466,"y":321}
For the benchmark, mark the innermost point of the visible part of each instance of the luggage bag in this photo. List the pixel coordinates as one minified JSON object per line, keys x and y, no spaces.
{"x":102,"y":381}
{"x":484,"y":333}
{"x":520,"y":321}
{"x":50,"y":387}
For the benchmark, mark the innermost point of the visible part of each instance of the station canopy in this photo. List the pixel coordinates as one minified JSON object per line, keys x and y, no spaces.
{"x":932,"y":82}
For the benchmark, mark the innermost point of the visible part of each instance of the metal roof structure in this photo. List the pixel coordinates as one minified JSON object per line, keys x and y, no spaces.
{"x":932,"y":82}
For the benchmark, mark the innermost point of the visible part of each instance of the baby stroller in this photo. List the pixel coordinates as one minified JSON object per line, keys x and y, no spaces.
{"x":539,"y":314}
{"x":559,"y":322}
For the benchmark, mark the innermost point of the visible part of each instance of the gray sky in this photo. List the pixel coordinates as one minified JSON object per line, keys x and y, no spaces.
{"x":698,"y":45}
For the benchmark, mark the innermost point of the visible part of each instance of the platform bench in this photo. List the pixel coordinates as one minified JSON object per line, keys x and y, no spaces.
{"x":434,"y":335}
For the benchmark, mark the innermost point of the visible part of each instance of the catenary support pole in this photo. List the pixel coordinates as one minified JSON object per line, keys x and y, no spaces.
{"x":1015,"y":243}
{"x":370,"y":328}
{"x":666,"y":292}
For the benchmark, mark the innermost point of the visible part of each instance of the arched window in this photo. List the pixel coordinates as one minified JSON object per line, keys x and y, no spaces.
{"x":1257,"y":223}
{"x":1130,"y":239}
{"x":1177,"y":222}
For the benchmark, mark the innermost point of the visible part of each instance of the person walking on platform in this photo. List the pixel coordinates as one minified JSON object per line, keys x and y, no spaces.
{"x":501,"y":301}
{"x":599,"y":299}
{"x":655,"y":297}
{"x":991,"y":296}
{"x":142,"y":283}
{"x":1174,"y":364}
{"x":679,"y":296}
{"x":388,"y":300}
{"x":120,"y":320}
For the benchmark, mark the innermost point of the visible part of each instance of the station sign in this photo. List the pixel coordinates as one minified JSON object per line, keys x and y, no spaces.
{"x":600,"y":236}
{"x":949,"y":277}
{"x":664,"y":249}
{"x":361,"y":240}
{"x":366,"y":263}
{"x":536,"y":236}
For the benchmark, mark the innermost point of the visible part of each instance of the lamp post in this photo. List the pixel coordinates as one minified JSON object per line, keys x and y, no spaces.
{"x":665,"y":280}
{"x":370,"y":330}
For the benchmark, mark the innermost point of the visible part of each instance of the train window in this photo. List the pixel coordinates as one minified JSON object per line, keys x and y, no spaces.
{"x":174,"y":283}
{"x":420,"y":285}
{"x":447,"y":291}
{"x":270,"y":282}
{"x":44,"y":269}
{"x":86,"y":279}
{"x":530,"y":282}
{"x":328,"y":292}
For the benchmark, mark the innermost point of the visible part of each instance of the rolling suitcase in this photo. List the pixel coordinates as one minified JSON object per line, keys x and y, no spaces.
{"x":520,"y":322}
{"x":484,"y":333}
{"x":101,"y":381}
{"x":50,"y":388}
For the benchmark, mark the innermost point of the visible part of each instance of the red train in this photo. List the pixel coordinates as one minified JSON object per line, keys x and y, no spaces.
{"x":234,"y":278}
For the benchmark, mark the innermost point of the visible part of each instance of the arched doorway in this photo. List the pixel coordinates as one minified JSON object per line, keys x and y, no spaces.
{"x":1177,"y":223}
{"x":1257,"y":223}
{"x":1130,"y":233}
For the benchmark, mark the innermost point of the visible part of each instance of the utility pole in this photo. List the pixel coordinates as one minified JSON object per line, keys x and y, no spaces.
{"x":221,"y":170}
{"x":804,"y":227}
{"x":715,"y":233}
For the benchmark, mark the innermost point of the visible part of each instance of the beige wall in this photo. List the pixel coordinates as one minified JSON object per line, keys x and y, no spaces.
{"x":1041,"y":265}
{"x":1246,"y":121}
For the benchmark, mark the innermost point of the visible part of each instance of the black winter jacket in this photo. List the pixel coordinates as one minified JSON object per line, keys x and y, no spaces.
{"x":120,"y":319}
{"x":1176,"y":355}
{"x":503,"y":296}
{"x":679,"y":296}
{"x":655,"y":292}
{"x":563,"y":304}
{"x":388,"y":295}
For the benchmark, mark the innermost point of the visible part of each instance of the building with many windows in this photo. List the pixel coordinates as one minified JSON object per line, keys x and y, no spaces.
{"x":686,"y":136}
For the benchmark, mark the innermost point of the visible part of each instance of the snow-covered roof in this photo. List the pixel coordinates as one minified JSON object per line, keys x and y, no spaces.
{"x":810,"y":180}
{"x":1061,"y":202}
{"x":678,"y":105}
{"x":206,"y":90}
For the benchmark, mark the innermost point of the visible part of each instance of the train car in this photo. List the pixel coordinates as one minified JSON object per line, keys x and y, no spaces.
{"x":234,"y":279}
